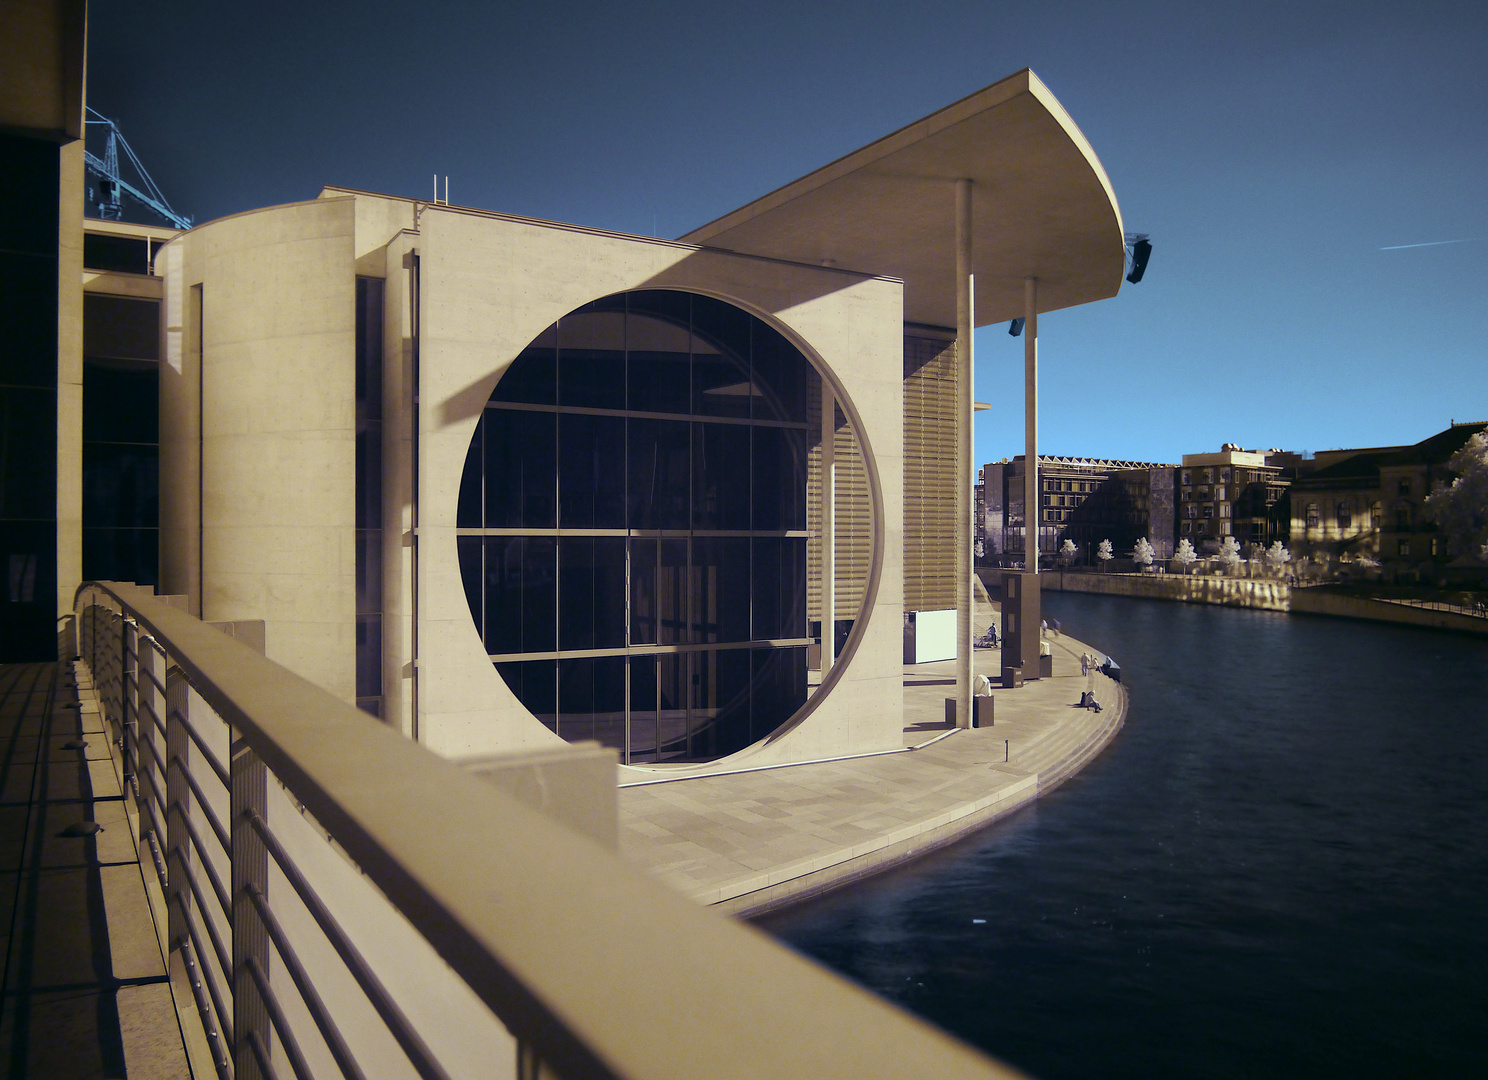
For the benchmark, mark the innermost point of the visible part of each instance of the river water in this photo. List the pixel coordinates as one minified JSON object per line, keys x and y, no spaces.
{"x":1278,"y":869}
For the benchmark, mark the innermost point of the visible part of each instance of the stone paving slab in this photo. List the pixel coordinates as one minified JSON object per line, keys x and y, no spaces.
{"x":746,"y":840}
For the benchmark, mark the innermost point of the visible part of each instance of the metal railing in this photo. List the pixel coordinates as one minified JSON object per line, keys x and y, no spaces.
{"x":342,"y":902}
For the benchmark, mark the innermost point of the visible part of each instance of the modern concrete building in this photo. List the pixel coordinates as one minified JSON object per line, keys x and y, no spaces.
{"x":501,"y":481}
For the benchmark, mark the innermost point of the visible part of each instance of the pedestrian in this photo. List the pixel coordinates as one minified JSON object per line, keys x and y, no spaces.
{"x":1054,"y":624}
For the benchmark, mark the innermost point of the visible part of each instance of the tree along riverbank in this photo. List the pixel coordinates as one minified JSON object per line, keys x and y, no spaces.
{"x":1264,"y":594}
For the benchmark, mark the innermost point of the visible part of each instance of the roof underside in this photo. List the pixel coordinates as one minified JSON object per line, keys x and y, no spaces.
{"x":1042,"y":207}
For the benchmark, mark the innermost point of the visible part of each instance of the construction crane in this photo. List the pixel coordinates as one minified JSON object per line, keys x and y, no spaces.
{"x":112,"y":187}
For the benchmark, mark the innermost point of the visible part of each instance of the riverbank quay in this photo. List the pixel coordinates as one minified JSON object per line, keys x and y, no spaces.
{"x":749,"y":842}
{"x":1268,"y":595}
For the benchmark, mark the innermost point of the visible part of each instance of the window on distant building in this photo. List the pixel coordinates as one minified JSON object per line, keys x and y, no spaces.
{"x":1403,"y":519}
{"x":1313,"y":518}
{"x":1345,"y":517}
{"x":1187,"y":477}
{"x":1376,"y":516}
{"x":1184,"y":528}
{"x":1224,"y":476}
{"x":1208,"y":510}
{"x":1402,"y":547}
{"x":1404,"y":487}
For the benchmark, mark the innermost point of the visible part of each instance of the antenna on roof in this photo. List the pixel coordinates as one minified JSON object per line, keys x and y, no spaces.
{"x":112,"y":186}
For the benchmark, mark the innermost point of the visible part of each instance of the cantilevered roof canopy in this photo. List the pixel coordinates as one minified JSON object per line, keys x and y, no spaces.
{"x":1042,"y":206}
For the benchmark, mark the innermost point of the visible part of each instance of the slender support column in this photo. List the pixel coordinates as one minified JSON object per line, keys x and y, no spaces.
{"x":1033,"y":510}
{"x":965,"y":319}
{"x":828,"y":527}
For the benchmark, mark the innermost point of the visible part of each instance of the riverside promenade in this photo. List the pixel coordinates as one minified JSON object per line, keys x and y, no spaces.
{"x":747,"y":842}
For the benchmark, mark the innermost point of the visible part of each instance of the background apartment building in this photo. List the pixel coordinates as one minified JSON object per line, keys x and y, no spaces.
{"x":1084,"y":500}
{"x":1231,"y":493}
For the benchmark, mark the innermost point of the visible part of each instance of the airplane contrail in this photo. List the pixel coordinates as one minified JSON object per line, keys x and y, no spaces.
{"x":1431,"y":243}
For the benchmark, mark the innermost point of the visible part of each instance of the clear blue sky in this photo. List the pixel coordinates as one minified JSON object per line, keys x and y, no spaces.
{"x":1270,"y":149}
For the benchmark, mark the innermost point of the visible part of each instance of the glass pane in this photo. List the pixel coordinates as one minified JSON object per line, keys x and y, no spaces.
{"x":369,"y":655}
{"x":765,"y":571}
{"x":658,"y":359}
{"x":793,"y":589}
{"x":591,"y":478}
{"x":671,"y":593}
{"x":469,"y":550}
{"x":779,"y":688}
{"x":521,"y":466}
{"x":502,"y":593}
{"x":779,"y":481}
{"x":609,"y":592}
{"x":575,"y":593}
{"x":721,"y":724}
{"x":720,"y":589}
{"x":660,"y":474}
{"x":643,"y":708}
{"x":591,"y":359}
{"x":720,"y":476}
{"x":369,"y":571}
{"x":533,"y":375}
{"x":576,"y":698}
{"x":780,"y":377}
{"x":720,"y":381}
{"x":673,"y":685}
{"x":643,"y":609}
{"x":539,"y":594}
{"x":609,"y":701}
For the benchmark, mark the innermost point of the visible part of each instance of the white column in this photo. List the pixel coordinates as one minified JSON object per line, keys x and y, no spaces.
{"x":828,"y":527}
{"x":1033,"y":510}
{"x":965,"y":319}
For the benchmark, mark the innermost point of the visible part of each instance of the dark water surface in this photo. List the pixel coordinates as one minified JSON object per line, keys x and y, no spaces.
{"x":1279,"y":868}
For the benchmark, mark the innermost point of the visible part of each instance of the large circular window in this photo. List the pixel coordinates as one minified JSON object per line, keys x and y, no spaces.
{"x":632,"y":526}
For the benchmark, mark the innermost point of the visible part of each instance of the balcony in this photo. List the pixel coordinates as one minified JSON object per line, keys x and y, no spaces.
{"x":330,"y":899}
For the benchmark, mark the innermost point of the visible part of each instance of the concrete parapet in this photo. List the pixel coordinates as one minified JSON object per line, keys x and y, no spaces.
{"x":1328,"y":602}
{"x":1264,"y":595}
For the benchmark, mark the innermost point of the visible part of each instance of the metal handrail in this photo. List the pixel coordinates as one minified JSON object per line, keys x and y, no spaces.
{"x":548,"y":928}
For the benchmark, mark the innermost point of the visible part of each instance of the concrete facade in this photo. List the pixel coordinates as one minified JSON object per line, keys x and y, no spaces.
{"x":258,"y":441}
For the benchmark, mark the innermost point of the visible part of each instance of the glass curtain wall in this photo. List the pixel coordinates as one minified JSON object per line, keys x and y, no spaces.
{"x":369,"y":293}
{"x":632,"y":527}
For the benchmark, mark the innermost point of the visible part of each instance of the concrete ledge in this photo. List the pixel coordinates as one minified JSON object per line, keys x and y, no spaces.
{"x":1262,"y":594}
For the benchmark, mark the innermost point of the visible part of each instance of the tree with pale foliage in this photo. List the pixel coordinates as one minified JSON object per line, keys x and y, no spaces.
{"x":1143,"y":553}
{"x":1185,"y":555}
{"x":1104,"y":553}
{"x":1277,"y":555}
{"x":1067,"y":552}
{"x":1229,"y":554}
{"x":1460,"y":509}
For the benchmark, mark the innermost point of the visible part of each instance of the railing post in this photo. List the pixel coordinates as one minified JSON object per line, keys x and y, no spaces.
{"x":250,"y":868}
{"x":131,"y":692}
{"x":177,"y":840}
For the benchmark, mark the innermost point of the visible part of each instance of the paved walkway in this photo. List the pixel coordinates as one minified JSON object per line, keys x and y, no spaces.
{"x":751,"y":841}
{"x":85,"y":991}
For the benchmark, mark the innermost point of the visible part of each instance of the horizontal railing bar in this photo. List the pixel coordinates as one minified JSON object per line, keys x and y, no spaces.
{"x":224,"y":1015}
{"x":224,"y":955}
{"x":207,"y":752}
{"x":224,"y":898}
{"x":201,"y":800}
{"x":155,"y":718}
{"x":545,"y":926}
{"x":311,"y":997}
{"x":279,"y":1020}
{"x":195,"y":976}
{"x":419,"y":1054}
{"x":261,"y":1057}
